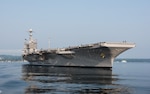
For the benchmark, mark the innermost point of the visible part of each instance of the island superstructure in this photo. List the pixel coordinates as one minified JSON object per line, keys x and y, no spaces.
{"x":101,"y":54}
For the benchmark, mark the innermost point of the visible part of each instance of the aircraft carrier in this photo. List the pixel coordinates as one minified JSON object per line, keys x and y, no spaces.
{"x":101,"y":54}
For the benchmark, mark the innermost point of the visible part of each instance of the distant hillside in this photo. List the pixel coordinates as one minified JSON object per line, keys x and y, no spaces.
{"x":10,"y":58}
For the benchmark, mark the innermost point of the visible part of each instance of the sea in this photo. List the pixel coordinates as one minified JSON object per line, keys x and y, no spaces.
{"x":127,"y":77}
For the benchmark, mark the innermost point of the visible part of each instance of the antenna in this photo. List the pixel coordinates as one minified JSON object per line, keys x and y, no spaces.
{"x":48,"y":43}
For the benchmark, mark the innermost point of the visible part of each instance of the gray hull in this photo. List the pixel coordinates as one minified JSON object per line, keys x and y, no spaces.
{"x":86,"y":56}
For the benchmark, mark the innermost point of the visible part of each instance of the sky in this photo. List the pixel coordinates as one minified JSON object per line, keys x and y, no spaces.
{"x":75,"y":22}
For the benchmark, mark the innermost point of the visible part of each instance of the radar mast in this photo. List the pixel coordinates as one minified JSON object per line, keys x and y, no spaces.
{"x":30,"y":33}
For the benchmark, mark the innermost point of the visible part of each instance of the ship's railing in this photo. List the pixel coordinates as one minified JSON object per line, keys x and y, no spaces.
{"x":110,"y":44}
{"x":106,"y":44}
{"x":118,"y":44}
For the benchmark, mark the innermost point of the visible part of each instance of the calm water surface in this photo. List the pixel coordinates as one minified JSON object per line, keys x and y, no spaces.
{"x":125,"y":78}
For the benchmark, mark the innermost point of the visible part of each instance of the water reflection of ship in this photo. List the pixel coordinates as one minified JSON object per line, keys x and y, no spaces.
{"x":45,"y":78}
